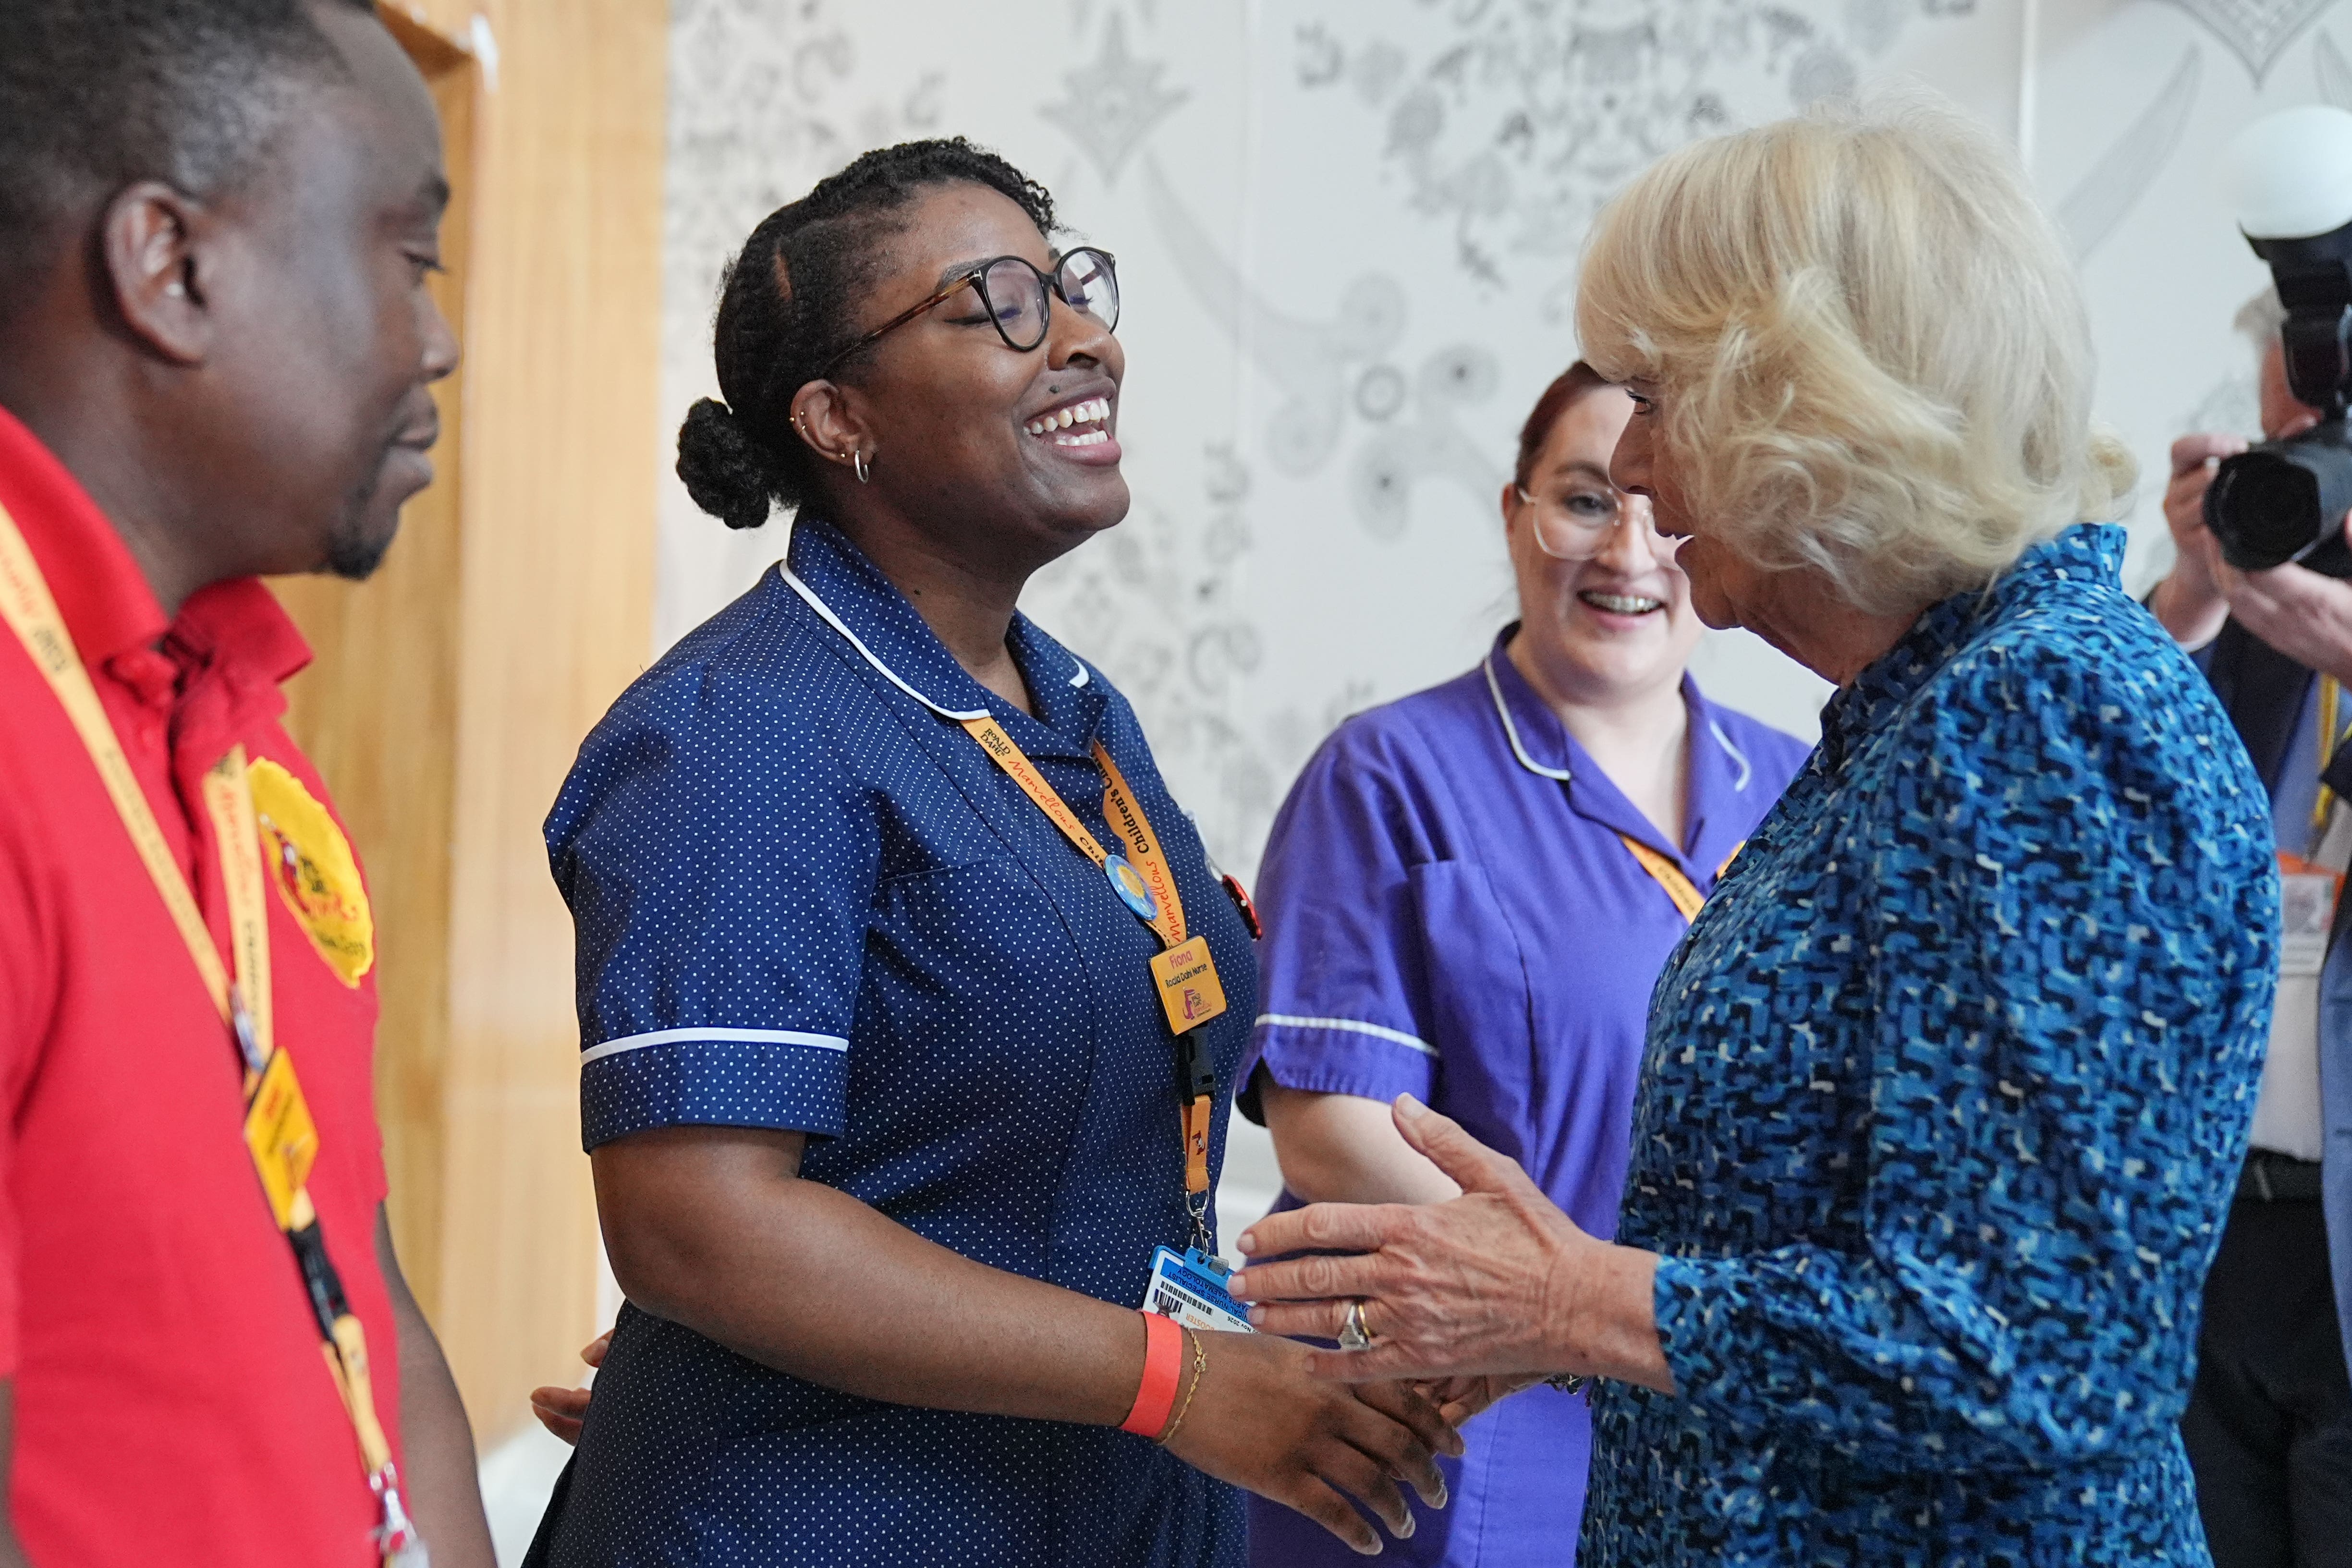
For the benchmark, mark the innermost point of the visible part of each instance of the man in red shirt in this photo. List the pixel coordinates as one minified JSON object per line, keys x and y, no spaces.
{"x":217,"y":217}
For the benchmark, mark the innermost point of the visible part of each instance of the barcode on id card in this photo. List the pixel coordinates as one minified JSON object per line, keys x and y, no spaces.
{"x":1182,"y":1306}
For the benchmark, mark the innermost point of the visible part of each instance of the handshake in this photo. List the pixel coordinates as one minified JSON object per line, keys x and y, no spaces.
{"x":1259,"y":1419}
{"x":1334,"y":1435}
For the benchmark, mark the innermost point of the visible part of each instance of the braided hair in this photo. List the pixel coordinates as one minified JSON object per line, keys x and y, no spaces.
{"x":787,"y":305}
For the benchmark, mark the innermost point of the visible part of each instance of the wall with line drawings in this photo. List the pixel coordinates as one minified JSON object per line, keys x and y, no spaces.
{"x":1348,"y":231}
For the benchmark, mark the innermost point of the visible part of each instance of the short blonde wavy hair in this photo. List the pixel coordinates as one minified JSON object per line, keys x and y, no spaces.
{"x":1870,"y":352}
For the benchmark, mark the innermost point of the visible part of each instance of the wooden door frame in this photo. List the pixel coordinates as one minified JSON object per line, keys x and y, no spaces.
{"x":450,"y":693}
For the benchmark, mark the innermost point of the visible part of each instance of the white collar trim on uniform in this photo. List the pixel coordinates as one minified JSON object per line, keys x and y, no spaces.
{"x":1503,"y":712}
{"x":1511,"y":730}
{"x":1746,"y":768}
{"x":824,"y":611}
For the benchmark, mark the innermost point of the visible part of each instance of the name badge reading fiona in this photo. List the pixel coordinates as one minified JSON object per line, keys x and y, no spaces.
{"x":1190,"y":991}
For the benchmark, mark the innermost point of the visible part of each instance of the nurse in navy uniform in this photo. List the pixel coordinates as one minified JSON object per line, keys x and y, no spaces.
{"x":909,"y":1001}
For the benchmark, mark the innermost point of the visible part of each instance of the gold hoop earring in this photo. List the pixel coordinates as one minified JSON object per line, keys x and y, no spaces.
{"x":858,"y":461}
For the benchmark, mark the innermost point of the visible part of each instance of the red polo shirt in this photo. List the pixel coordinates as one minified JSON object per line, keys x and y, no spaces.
{"x":171,"y":1400}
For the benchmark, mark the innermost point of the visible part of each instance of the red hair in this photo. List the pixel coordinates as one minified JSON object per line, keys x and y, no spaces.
{"x":1566,"y":388}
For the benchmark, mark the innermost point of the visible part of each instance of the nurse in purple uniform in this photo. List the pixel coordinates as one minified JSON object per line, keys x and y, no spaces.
{"x":1467,"y":897}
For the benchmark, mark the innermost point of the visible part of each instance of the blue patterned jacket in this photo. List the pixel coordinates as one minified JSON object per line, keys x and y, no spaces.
{"x":1945,"y":1097}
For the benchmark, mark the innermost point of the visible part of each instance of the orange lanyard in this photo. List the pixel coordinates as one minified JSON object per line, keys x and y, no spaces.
{"x":280,"y":1133}
{"x":2330,"y":694}
{"x":1184,"y":974}
{"x":1167,"y":919}
{"x":1667,"y":875}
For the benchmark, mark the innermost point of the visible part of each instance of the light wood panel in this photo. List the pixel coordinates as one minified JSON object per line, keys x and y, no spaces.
{"x":559,"y":485}
{"x":377,"y":711}
{"x":449,"y":20}
{"x":451,"y":691}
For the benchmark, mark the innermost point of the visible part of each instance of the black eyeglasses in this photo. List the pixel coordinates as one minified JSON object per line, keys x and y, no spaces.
{"x":1017,"y":294}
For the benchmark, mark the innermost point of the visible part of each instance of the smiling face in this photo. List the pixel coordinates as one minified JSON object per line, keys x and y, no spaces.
{"x":330,"y":341}
{"x":1011,"y":458}
{"x":1620,"y":623}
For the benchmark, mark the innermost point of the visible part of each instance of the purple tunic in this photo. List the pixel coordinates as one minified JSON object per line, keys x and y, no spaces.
{"x":1451,"y":911}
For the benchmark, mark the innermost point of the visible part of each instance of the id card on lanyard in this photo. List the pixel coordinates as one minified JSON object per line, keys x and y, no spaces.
{"x":2307,"y":895}
{"x":1184,"y":974}
{"x":281,"y":1136}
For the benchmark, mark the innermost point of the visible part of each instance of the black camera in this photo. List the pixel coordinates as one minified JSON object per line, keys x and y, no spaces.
{"x":2286,"y":500}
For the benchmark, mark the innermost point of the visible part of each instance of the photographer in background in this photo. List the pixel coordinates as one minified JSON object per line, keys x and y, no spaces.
{"x":2269,"y":1427}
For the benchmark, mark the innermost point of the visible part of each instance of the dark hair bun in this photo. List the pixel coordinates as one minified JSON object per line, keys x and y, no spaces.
{"x":724,"y":469}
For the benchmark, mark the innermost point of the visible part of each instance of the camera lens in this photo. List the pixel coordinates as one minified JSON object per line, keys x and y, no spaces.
{"x":2273,"y":503}
{"x":2264,"y":506}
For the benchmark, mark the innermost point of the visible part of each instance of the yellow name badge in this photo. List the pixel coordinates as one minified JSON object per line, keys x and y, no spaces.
{"x":283,"y":1138}
{"x":1190,"y":990}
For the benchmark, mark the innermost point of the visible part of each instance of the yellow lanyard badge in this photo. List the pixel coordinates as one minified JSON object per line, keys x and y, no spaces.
{"x":1190,"y":992}
{"x":2331,"y":735}
{"x":1184,"y":974}
{"x":280,"y":1132}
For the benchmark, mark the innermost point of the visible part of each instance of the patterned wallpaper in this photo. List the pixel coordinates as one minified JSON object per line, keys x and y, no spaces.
{"x":1348,"y":231}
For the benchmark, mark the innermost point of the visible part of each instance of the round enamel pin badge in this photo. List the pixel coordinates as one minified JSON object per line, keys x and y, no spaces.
{"x":1132,"y":890}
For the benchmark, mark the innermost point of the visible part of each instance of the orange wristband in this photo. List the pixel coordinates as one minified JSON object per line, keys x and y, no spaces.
{"x":1163,"y":1365}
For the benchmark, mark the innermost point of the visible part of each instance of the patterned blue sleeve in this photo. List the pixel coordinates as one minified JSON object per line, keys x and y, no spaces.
{"x":2062,"y":918}
{"x":718,"y":864}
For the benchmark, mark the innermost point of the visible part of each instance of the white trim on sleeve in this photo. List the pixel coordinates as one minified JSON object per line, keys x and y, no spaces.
{"x":1351,"y":1026}
{"x":680,"y":1036}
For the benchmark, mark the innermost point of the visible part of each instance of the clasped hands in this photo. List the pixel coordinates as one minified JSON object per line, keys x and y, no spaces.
{"x":1465,"y":1301}
{"x":1476,"y":1297}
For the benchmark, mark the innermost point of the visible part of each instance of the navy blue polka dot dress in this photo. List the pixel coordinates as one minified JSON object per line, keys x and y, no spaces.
{"x":806,"y":899}
{"x":1944,"y":1101}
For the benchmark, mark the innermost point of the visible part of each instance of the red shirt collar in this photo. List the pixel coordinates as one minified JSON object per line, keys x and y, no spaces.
{"x":109,"y":609}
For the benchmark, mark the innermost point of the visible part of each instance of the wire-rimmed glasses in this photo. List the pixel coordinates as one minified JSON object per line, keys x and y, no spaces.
{"x":1017,"y":296}
{"x":1576,"y":525}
